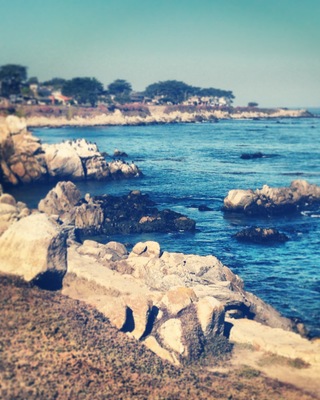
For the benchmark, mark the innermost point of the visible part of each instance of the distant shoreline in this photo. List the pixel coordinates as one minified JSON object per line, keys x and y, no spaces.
{"x":140,"y":114}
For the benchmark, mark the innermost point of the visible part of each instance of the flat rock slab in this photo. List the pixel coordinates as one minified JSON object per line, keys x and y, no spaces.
{"x":274,"y":340}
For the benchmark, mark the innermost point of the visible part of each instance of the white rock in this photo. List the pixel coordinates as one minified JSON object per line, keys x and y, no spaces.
{"x":171,"y":335}
{"x":33,"y":246}
{"x":211,"y":316}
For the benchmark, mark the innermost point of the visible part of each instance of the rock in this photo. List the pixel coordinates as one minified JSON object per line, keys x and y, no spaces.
{"x":211,"y":314}
{"x":118,"y":248}
{"x":21,"y":158}
{"x":105,"y":253}
{"x":171,"y":335}
{"x":35,"y":249}
{"x":87,"y":216}
{"x":120,"y":169}
{"x":61,"y":199}
{"x":177,"y":299}
{"x":6,"y":198}
{"x":300,"y":195}
{"x":173,"y":302}
{"x":251,"y":156}
{"x":16,"y":125}
{"x":10,"y":211}
{"x":97,"y":168}
{"x":276,"y":341}
{"x":108,"y":214}
{"x":63,"y":161}
{"x":147,"y":249}
{"x":204,"y":208}
{"x":238,"y":199}
{"x":153,"y":345}
{"x":261,"y":235}
{"x":119,"y":153}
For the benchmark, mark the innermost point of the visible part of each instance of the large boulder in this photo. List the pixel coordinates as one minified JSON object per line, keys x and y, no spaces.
{"x":63,"y":161}
{"x":35,"y":249}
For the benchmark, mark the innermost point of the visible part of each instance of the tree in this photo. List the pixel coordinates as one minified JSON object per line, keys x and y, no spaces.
{"x":84,"y":90}
{"x":212,"y":92}
{"x":11,"y":78}
{"x":119,"y":87}
{"x":253,"y":104}
{"x":55,"y":83}
{"x":173,"y":91}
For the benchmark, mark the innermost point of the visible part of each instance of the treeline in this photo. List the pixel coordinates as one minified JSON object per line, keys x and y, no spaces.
{"x":14,"y":83}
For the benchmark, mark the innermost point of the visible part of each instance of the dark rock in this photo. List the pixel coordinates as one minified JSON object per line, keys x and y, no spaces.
{"x":261,"y":235}
{"x":119,"y":153}
{"x":204,"y":208}
{"x":106,"y":214}
{"x":136,"y":213}
{"x":250,"y":156}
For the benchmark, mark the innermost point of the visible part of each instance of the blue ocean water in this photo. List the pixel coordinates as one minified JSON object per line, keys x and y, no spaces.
{"x":187,"y":165}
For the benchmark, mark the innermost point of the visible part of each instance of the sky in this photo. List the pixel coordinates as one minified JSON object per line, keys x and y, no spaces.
{"x":267,"y":51}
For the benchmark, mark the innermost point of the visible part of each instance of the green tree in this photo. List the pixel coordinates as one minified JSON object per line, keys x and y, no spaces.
{"x":173,"y":91}
{"x":212,"y":92}
{"x":119,"y":87}
{"x":84,"y":90}
{"x":55,"y":83}
{"x":252,"y":104}
{"x":11,"y":78}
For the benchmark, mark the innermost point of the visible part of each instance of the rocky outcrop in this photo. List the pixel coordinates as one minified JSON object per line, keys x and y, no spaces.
{"x":35,"y":249}
{"x":261,"y":235}
{"x":23,"y":159}
{"x":80,"y":159}
{"x":300,"y":195}
{"x":172,"y":302}
{"x":134,"y":213}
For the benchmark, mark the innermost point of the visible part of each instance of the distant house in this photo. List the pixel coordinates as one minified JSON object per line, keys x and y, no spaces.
{"x":58,"y":97}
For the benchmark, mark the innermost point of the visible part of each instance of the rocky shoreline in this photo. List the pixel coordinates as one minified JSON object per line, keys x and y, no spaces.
{"x":148,"y":115}
{"x":173,"y":302}
{"x":176,"y":304}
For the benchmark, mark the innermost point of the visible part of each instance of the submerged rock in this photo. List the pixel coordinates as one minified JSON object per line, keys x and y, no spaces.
{"x":300,"y":195}
{"x":261,"y":235}
{"x":250,"y":156}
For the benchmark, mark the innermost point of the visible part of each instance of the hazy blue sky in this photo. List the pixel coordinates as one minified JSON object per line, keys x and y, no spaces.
{"x":264,"y":50}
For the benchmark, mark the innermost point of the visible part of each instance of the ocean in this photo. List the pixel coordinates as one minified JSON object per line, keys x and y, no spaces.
{"x":188,"y":165}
